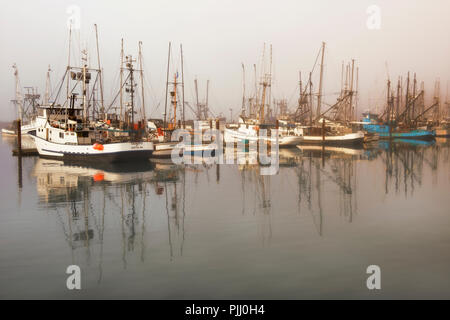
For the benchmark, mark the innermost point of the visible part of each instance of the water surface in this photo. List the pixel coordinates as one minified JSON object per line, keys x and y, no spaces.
{"x":202,"y":231}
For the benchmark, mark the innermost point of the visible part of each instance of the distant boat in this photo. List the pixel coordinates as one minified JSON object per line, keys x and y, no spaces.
{"x":443,"y":130}
{"x":248,"y":131}
{"x":26,"y":106}
{"x":28,"y":128}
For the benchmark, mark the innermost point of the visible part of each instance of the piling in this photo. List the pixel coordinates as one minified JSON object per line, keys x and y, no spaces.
{"x":19,"y":137}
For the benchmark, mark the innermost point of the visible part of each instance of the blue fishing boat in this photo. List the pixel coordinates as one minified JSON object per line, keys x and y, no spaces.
{"x":371,"y":124}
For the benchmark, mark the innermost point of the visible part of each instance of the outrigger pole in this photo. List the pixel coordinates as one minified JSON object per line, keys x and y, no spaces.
{"x":102,"y":108}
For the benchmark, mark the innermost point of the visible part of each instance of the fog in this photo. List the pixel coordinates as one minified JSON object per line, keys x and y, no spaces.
{"x":217,"y":36}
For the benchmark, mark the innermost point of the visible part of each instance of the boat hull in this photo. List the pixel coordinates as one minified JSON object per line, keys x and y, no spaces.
{"x":351,"y":139}
{"x":112,"y":152}
{"x":290,"y":141}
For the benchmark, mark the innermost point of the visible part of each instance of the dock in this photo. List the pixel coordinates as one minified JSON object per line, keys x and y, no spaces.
{"x":25,"y":152}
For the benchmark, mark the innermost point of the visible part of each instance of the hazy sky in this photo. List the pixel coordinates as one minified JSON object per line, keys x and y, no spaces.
{"x":217,"y":36}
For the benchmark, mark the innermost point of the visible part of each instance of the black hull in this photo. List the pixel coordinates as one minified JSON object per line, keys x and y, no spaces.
{"x":124,"y":156}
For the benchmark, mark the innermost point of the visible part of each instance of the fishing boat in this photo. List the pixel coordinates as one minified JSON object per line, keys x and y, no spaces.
{"x":387,"y":131}
{"x":248,"y":131}
{"x":78,"y":140}
{"x":69,"y":131}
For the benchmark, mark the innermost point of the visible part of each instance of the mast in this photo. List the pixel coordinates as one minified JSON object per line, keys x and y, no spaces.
{"x":256,"y":91}
{"x":263,"y":100}
{"x":142,"y":84}
{"x":182,"y":85}
{"x":310,"y":100}
{"x":319,"y":97}
{"x":68,"y":61}
{"x":398,"y":99}
{"x":342,"y":78}
{"x":121,"y":83}
{"x":85,"y":115}
{"x":102,"y":108}
{"x":199,"y":110}
{"x":356,"y":95}
{"x":18,"y":99}
{"x":174,"y":101}
{"x":167,"y":87}
{"x":407,"y":99}
{"x":206,"y":104}
{"x":130,"y":68}
{"x":388,"y":109}
{"x":270,"y":84}
{"x":47,"y":87}
{"x":243,"y":90}
{"x":350,"y":115}
{"x":266,"y":82}
{"x":414,"y":97}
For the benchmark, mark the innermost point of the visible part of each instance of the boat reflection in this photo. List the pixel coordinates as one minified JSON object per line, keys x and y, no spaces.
{"x":154,"y":201}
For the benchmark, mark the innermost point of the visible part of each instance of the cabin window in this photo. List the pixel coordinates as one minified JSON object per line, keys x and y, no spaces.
{"x":61,"y":135}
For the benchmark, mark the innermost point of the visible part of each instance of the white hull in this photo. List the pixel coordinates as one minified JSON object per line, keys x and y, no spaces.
{"x":350,"y":138}
{"x":231,"y":136}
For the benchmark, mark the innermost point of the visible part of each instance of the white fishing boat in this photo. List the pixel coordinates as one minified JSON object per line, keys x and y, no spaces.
{"x":54,"y":139}
{"x":249,"y":131}
{"x":70,"y":131}
{"x":356,"y":138}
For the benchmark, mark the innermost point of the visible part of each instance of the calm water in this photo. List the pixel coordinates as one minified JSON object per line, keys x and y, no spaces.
{"x":207,"y":231}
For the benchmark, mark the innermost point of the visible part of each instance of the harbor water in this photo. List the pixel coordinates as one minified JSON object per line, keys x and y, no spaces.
{"x":206,"y":231}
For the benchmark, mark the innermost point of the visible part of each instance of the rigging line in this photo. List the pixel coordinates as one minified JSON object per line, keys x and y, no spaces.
{"x":147,"y":85}
{"x":114,"y":100}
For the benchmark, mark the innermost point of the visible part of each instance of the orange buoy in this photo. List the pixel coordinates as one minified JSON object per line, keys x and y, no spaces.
{"x":98,"y":146}
{"x":99,"y":176}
